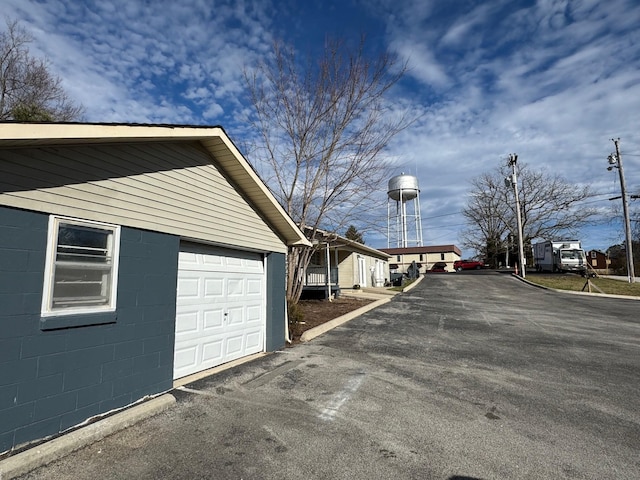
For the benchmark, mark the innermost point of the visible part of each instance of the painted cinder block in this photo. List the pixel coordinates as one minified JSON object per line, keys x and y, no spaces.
{"x":117,"y":369}
{"x":114,"y":403}
{"x":78,"y":416}
{"x":82,"y":378}
{"x":52,"y":407}
{"x":35,"y":430}
{"x":31,"y":391}
{"x":94,"y":395}
{"x":53,"y":377}
{"x":9,"y":350}
{"x":276,"y":289}
{"x":39,"y":345}
{"x":8,"y":396}
{"x":18,"y":371}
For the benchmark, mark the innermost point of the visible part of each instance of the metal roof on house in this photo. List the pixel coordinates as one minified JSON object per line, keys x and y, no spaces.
{"x":425,"y":249}
{"x":337,"y":241}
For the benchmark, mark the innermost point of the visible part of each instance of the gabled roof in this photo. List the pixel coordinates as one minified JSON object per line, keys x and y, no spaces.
{"x":337,"y":241}
{"x":425,"y":249}
{"x":213,"y":139}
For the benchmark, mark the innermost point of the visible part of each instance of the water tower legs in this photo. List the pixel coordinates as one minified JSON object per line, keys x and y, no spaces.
{"x":407,"y":231}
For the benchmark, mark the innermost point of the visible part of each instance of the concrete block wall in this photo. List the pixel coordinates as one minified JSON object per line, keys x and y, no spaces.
{"x":53,"y":378}
{"x":276,"y":301}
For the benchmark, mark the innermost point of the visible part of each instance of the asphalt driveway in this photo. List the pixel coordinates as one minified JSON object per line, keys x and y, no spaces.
{"x":465,"y":376}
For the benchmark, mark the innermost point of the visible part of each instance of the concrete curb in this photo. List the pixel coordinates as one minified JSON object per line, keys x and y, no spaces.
{"x":38,"y":456}
{"x":413,"y":284}
{"x":331,"y":324}
{"x":573,"y":292}
{"x":336,"y":322}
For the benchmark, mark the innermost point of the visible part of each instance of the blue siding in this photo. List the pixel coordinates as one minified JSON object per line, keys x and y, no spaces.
{"x":51,"y":380}
{"x":276,"y":301}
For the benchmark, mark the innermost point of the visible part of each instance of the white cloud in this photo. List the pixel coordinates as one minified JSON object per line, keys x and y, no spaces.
{"x":553,"y":81}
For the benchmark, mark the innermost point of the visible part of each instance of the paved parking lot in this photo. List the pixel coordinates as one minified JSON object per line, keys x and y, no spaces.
{"x":465,"y":376}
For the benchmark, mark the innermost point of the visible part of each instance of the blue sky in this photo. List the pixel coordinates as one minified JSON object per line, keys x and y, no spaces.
{"x":553,"y":81}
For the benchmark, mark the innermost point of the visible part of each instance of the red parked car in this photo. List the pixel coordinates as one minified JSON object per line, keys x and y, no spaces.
{"x":460,"y":265}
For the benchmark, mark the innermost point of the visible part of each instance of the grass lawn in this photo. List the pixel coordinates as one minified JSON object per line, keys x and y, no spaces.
{"x":577,"y":283}
{"x":405,"y":284}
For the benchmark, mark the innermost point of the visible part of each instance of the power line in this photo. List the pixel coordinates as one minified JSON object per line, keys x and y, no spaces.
{"x":443,"y":215}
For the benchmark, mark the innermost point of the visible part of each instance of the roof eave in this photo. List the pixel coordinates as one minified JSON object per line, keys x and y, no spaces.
{"x":14,"y":134}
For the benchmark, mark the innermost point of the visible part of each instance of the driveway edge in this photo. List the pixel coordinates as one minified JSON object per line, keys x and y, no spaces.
{"x":573,"y":292}
{"x":38,"y":456}
{"x":336,"y":322}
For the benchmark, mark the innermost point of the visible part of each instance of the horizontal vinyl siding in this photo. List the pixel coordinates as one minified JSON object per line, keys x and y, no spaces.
{"x":170,"y":188}
{"x":347,"y":277}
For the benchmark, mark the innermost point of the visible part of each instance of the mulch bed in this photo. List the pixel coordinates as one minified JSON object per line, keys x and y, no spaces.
{"x":317,"y":312}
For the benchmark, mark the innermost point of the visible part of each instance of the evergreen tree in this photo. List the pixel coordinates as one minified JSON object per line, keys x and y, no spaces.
{"x":353,"y":234}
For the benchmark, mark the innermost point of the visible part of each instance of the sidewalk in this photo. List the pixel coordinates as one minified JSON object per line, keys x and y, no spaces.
{"x":373,"y":293}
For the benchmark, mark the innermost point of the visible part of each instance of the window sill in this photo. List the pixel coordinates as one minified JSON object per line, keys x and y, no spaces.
{"x":57,"y":322}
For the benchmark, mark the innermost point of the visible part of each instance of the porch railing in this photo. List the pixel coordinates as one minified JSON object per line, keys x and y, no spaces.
{"x":316,"y":276}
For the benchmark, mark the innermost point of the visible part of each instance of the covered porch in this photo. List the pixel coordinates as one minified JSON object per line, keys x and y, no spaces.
{"x":339,"y":263}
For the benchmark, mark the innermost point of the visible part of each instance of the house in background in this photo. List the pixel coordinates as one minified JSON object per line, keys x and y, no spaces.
{"x":130,"y":256}
{"x":599,"y":261}
{"x":425,"y":257}
{"x":350,"y":264}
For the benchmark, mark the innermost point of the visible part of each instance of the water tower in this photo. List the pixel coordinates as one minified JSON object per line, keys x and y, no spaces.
{"x":404,"y":226}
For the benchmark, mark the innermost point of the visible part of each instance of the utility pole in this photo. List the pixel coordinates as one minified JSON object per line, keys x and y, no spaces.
{"x":513,"y":159}
{"x":615,"y":161}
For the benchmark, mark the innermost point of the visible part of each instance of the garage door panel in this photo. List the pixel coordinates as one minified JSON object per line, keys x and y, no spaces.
{"x":213,"y":319}
{"x":254,"y":287}
{"x":189,"y":287}
{"x":220,"y":311}
{"x":211,"y":260}
{"x":254,"y":265}
{"x":185,"y":358}
{"x":235,"y":287}
{"x":213,"y":288}
{"x":212,"y":352}
{"x":187,"y":259}
{"x":187,"y":322}
{"x":254,"y":314}
{"x":234,"y":345}
{"x":253,"y":341}
{"x":235,"y":317}
{"x":232,"y":263}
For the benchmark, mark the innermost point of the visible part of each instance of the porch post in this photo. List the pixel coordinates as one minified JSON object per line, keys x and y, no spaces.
{"x":328,"y":274}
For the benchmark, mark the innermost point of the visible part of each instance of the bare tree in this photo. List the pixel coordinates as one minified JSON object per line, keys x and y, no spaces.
{"x":486,"y":213}
{"x":550,"y":207}
{"x":28,"y":90}
{"x":323,"y":126}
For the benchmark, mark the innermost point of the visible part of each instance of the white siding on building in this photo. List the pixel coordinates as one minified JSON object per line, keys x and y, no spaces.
{"x":167,"y":187}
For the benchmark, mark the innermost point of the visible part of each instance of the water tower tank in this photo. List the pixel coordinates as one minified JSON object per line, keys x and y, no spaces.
{"x":405,"y":186}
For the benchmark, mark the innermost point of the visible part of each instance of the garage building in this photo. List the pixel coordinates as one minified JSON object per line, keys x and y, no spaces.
{"x":130,"y":256}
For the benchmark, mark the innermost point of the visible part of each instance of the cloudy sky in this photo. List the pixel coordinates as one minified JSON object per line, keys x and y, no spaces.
{"x":551,"y":80}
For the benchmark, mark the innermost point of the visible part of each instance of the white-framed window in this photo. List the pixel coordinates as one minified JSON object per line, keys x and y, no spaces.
{"x":82,"y":267}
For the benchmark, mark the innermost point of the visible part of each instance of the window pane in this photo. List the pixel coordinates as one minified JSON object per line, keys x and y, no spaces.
{"x":83,"y":267}
{"x":85,"y":244}
{"x":78,"y":285}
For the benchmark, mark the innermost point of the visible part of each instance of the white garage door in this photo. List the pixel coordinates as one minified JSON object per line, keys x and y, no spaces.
{"x":220,"y":308}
